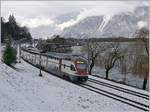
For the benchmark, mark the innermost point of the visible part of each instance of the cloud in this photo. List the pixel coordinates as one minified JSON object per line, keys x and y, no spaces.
{"x":142,"y":24}
{"x":27,"y":12}
{"x":66,"y":24}
{"x":35,"y":22}
{"x":107,"y":8}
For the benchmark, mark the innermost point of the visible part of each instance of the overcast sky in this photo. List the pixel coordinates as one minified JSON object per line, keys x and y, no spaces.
{"x":35,"y":13}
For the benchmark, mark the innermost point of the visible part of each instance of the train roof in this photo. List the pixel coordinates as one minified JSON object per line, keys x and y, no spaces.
{"x":64,"y":56}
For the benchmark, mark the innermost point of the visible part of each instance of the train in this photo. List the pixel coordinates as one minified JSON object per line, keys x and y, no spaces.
{"x":72,"y":67}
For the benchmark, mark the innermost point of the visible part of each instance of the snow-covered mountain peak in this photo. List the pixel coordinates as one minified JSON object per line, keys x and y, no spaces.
{"x":121,"y":24}
{"x":83,"y":24}
{"x":106,"y":19}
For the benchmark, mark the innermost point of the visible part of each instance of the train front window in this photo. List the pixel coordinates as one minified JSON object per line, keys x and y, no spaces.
{"x":81,"y":66}
{"x":72,"y":68}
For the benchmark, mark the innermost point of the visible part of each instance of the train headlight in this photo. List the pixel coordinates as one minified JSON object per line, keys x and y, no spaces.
{"x":80,"y":62}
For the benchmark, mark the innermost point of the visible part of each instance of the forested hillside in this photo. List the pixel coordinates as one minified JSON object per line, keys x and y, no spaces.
{"x":14,"y":30}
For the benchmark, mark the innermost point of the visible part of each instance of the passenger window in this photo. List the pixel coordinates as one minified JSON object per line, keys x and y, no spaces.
{"x":72,"y":68}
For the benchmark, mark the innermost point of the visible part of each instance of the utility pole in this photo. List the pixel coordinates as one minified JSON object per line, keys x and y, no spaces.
{"x":88,"y":54}
{"x":19,"y":57}
{"x":19,"y":49}
{"x":40,"y":74}
{"x":40,"y":66}
{"x":0,"y":50}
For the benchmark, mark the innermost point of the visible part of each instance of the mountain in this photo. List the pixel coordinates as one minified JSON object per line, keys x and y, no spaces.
{"x":44,"y":31}
{"x":66,"y":17}
{"x":47,"y":31}
{"x":83,"y":28}
{"x":123,"y":24}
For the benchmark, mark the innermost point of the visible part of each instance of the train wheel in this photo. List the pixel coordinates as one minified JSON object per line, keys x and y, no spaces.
{"x":65,"y":77}
{"x":85,"y":79}
{"x":73,"y":79}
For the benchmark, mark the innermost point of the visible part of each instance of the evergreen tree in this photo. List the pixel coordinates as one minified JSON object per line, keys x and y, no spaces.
{"x":14,"y":30}
{"x":10,"y":53}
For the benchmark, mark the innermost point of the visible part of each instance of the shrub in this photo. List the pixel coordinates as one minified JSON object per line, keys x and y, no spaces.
{"x":9,"y":55}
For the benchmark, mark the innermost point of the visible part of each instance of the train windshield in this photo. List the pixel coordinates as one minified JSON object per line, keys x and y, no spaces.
{"x":81,"y":65}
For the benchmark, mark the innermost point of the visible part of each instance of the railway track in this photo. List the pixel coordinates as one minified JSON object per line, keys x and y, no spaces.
{"x":99,"y":77}
{"x":122,"y":99}
{"x":133,"y":103}
{"x":125,"y":95}
{"x":138,"y":94}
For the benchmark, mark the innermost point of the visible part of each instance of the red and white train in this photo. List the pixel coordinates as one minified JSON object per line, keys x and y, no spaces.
{"x":72,"y":67}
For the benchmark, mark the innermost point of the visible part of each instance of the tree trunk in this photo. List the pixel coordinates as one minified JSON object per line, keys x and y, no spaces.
{"x":107,"y":71}
{"x":91,"y":67}
{"x":144,"y":84}
{"x":124,"y":79}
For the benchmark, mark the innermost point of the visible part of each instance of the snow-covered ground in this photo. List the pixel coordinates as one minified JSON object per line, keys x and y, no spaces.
{"x":24,"y":90}
{"x":117,"y":76}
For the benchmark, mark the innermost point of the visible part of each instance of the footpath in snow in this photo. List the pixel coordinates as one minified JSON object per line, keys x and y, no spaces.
{"x":24,"y":90}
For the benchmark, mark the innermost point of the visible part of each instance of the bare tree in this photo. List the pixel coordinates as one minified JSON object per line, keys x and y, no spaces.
{"x":141,"y":68}
{"x":111,"y":57}
{"x":125,"y":66}
{"x":93,"y":49}
{"x":143,"y":34}
{"x":141,"y":64}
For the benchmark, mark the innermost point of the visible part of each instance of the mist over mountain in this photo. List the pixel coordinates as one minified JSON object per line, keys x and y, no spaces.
{"x":44,"y":31}
{"x":121,"y":24}
{"x":66,"y":17}
{"x":50,"y":30}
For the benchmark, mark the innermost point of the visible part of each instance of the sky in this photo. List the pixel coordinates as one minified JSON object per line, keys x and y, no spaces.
{"x":37,"y":13}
